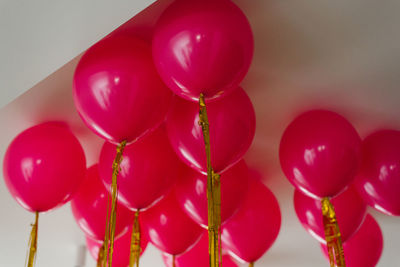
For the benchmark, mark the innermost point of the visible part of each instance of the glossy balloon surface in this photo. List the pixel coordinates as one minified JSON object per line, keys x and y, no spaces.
{"x":191,"y":192}
{"x":320,"y":153}
{"x":197,"y":256}
{"x":232,"y":127}
{"x":117,"y":90}
{"x":364,"y":249}
{"x":44,"y":166}
{"x":349,"y":207}
{"x":202,"y":47}
{"x":168,"y":228}
{"x":379,"y":179}
{"x":89,"y":207}
{"x":255,"y":227}
{"x":148,"y":170}
{"x":122,"y":249}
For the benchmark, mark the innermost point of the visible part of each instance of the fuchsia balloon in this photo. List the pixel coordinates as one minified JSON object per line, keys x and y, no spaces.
{"x":191,"y":192}
{"x":168,"y":228}
{"x":122,"y":249}
{"x":364,"y":249}
{"x":44,"y":166}
{"x":320,"y":153}
{"x":202,"y":47}
{"x":197,"y":256}
{"x":117,"y":90}
{"x":89,"y":207}
{"x":379,"y":179}
{"x":232,"y":127}
{"x":255,"y":227}
{"x":350,"y":213}
{"x":149,"y":168}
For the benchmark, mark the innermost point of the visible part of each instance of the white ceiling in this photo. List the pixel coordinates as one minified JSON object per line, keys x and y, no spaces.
{"x":341,"y":55}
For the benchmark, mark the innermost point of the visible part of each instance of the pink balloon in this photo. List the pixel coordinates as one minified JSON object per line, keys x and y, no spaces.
{"x":117,"y":90}
{"x":350,"y":213}
{"x":44,"y":166}
{"x":364,"y":249}
{"x":149,"y":169}
{"x":320,"y":153}
{"x":191,"y":192}
{"x":379,"y":179}
{"x":89,"y":207}
{"x":168,"y":228}
{"x":202,"y":47}
{"x":232,"y":127}
{"x":122,"y":249}
{"x":255,"y":227}
{"x":197,"y":256}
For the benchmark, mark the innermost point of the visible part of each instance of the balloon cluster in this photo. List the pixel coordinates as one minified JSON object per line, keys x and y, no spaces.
{"x":171,"y":164}
{"x":336,"y":175}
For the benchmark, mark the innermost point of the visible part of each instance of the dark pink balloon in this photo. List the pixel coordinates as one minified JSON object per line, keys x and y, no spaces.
{"x":168,"y":228}
{"x":202,"y":47}
{"x":149,"y":169}
{"x":232,"y":127}
{"x":191,"y":192}
{"x":349,"y":207}
{"x":320,"y":152}
{"x":89,"y":207}
{"x":117,"y":90}
{"x":379,"y":179}
{"x":364,"y":249}
{"x":197,"y":256}
{"x":255,"y":227}
{"x":122,"y":249}
{"x":44,"y":166}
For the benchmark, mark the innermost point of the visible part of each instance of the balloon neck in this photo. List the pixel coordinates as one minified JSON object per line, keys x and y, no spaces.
{"x":111,"y":219}
{"x":213,"y":192}
{"x":135,"y":242}
{"x":332,"y":234}
{"x":33,"y":241}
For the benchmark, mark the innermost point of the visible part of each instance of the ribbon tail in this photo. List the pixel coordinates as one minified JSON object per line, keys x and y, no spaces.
{"x":33,"y":242}
{"x":135,"y":242}
{"x":333,"y":236}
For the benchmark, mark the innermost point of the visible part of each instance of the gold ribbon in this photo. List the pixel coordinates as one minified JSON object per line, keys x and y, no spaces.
{"x":135,"y":242}
{"x":173,"y":260}
{"x":213,"y":192}
{"x":332,"y":234}
{"x":33,"y":241}
{"x":100,"y":256}
{"x":251,"y":264}
{"x":110,"y":225}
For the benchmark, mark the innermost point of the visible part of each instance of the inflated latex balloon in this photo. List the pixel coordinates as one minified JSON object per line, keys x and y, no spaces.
{"x":232,"y":127}
{"x":191,"y":192}
{"x":202,"y":47}
{"x":197,"y":256}
{"x":320,"y":153}
{"x":255,"y":227}
{"x":44,"y":166}
{"x":364,"y":249}
{"x":117,"y":90}
{"x":122,"y":249}
{"x":89,"y":207}
{"x":168,"y":228}
{"x":350,"y":213}
{"x":149,"y":169}
{"x":379,"y":179}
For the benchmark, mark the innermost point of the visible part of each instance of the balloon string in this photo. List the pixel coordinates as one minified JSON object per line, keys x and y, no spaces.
{"x":173,"y":260}
{"x":135,"y":242}
{"x":251,"y":264}
{"x":104,"y":248}
{"x":100,"y":256}
{"x":33,"y":241}
{"x":332,"y":234}
{"x":114,"y":193}
{"x":213,"y":192}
